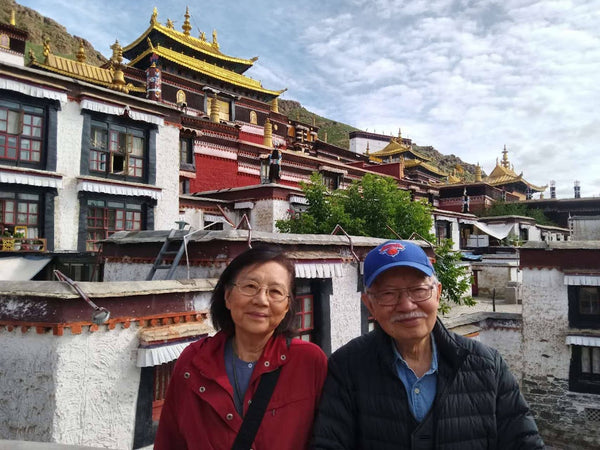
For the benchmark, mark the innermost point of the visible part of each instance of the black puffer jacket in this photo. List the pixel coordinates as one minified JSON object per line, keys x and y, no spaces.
{"x":478,"y":403}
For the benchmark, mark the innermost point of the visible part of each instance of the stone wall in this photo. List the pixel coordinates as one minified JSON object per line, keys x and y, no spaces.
{"x":494,"y":275}
{"x":166,"y":211}
{"x":561,"y":414}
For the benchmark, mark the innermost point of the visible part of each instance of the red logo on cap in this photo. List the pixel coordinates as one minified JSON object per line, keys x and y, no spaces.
{"x":391,"y":249}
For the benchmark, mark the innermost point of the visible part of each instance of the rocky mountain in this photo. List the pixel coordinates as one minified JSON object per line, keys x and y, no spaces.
{"x":39,"y":27}
{"x":65,"y":44}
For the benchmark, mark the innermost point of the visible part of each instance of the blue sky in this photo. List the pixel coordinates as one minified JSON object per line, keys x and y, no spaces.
{"x":465,"y":76}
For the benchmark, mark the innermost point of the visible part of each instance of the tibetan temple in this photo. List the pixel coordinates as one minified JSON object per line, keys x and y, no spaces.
{"x":503,"y":184}
{"x":172,"y":129}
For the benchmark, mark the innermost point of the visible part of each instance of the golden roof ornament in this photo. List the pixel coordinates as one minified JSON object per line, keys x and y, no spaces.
{"x":203,"y":36}
{"x":154,"y":16}
{"x":268,"y":136}
{"x":81,"y":52}
{"x":505,"y":162}
{"x":275,"y":105}
{"x":46,"y":51}
{"x":477,"y":172}
{"x":31,"y":55}
{"x":118,"y":80}
{"x":215,"y":44}
{"x":186,"y":23}
{"x":13,"y":20}
{"x":170,"y":24}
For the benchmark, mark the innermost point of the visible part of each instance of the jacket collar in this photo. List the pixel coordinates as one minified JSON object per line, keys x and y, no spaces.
{"x":448,"y":348}
{"x":210,"y":356}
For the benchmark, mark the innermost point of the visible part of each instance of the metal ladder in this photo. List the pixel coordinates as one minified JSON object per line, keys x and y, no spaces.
{"x":168,"y":249}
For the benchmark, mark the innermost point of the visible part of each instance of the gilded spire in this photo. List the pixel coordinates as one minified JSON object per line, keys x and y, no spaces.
{"x":275,"y":105}
{"x":477,"y":172}
{"x":399,"y":134}
{"x":505,"y":162}
{"x":203,"y":36}
{"x":268,"y":139}
{"x":46,"y":51}
{"x":186,"y":23}
{"x":153,"y":17}
{"x":215,"y":44}
{"x":13,"y":20}
{"x":170,"y":24}
{"x":81,"y":52}
{"x":118,"y":80}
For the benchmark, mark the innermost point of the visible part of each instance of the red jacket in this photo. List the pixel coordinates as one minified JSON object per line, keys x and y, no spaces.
{"x":199,"y":412}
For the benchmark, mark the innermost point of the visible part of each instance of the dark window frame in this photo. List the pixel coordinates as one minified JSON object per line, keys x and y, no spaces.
{"x":305,"y":332}
{"x":580,"y":380}
{"x":577,"y":318}
{"x":186,"y":157}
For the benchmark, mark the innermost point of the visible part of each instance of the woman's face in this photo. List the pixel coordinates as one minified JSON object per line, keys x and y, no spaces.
{"x":258,"y":314}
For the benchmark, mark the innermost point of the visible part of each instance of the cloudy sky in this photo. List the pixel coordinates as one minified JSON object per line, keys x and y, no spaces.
{"x":465,"y":76}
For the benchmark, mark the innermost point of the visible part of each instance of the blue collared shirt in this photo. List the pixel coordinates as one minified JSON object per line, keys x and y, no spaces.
{"x":420,"y":391}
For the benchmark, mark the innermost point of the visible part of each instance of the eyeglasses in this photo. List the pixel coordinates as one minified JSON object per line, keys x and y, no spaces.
{"x":391,"y":297}
{"x":275,"y":293}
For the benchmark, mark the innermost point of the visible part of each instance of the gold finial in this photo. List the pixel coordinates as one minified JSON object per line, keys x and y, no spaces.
{"x":478,"y":172}
{"x":505,"y":162}
{"x":203,"y":36}
{"x":118,"y":80}
{"x":214,"y":110}
{"x":214,"y":42}
{"x":186,"y":23}
{"x":154,"y":15}
{"x":399,"y":134}
{"x":13,"y":20}
{"x":46,"y":48}
{"x":170,"y":24}
{"x":275,"y":105}
{"x":150,"y":43}
{"x":81,"y":52}
{"x":268,"y":138}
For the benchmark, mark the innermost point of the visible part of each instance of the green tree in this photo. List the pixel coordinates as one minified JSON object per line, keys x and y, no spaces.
{"x":374,"y":206}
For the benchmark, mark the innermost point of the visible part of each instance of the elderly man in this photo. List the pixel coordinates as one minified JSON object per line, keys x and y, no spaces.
{"x":412,"y":384}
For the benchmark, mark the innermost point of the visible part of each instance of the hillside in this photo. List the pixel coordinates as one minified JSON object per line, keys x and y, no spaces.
{"x":337,"y":134}
{"x":61,"y":42}
{"x":65,"y":44}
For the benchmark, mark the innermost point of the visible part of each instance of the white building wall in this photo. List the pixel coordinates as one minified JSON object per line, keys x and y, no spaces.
{"x":509,"y":342}
{"x":359,"y":144}
{"x":66,"y":203}
{"x":167,"y":177}
{"x":545,"y":323}
{"x":344,"y":304}
{"x":27,"y":378}
{"x":585,"y":228}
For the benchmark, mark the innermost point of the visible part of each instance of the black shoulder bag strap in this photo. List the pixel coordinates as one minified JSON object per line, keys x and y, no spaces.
{"x":256,"y":410}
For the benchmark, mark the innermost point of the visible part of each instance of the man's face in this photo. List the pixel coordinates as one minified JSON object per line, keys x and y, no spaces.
{"x":408,"y":322}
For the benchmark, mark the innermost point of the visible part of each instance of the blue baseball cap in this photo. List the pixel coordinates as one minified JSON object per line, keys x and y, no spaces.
{"x":393,"y":254}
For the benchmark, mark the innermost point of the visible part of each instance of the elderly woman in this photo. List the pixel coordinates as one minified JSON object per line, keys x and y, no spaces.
{"x":250,"y":385}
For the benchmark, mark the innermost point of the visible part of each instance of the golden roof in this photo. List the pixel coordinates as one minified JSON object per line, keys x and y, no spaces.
{"x":410,"y":163}
{"x":397,"y":147}
{"x":198,"y":44}
{"x":76,"y":69}
{"x":504,"y":174}
{"x":206,"y":69}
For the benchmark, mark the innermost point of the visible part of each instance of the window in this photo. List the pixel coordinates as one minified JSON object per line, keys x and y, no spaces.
{"x":184,"y":186}
{"x":331,"y":180}
{"x":584,"y":306}
{"x":584,"y":375}
{"x":305,"y":317}
{"x":117,"y":150}
{"x":106,"y":217}
{"x":224,"y":108}
{"x":162,"y":376}
{"x":21,"y":133}
{"x":186,"y":153}
{"x":20,"y":209}
{"x":443,"y":230}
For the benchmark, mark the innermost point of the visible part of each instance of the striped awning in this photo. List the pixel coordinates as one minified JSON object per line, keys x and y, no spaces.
{"x":157,"y":355}
{"x":582,"y":280}
{"x":318,"y":270}
{"x":587,"y":341}
{"x":119,"y":189}
{"x":31,"y":179}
